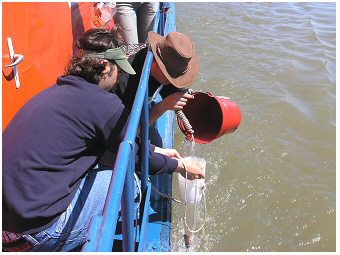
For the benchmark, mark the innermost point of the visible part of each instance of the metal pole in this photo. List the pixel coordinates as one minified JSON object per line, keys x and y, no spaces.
{"x":145,"y":142}
{"x":128,"y":206}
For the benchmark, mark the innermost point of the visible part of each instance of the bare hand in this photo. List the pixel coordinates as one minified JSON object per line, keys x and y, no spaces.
{"x":171,"y":153}
{"x":194,"y":170}
{"x":165,"y":10}
{"x":97,"y":9}
{"x":176,"y":101}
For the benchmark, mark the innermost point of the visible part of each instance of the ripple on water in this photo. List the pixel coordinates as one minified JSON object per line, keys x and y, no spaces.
{"x":270,"y":184}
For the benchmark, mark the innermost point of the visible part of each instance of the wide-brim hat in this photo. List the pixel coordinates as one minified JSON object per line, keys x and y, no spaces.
{"x":176,"y":57}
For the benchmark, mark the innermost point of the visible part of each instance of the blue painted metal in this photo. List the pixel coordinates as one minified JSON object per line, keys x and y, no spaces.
{"x":128,"y":206}
{"x":145,"y":122}
{"x":101,"y":232}
{"x":160,"y":208}
{"x":143,"y":238}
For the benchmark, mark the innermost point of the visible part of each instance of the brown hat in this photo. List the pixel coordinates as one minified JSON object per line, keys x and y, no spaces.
{"x":176,"y":57}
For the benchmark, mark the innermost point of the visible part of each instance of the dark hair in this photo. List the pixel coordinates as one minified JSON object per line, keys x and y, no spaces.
{"x":94,"y":39}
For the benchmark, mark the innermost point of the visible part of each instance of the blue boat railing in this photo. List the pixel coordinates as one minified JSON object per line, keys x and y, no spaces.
{"x":102,"y":228}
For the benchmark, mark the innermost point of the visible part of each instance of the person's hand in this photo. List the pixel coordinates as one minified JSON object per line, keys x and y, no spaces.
{"x":194,"y":170}
{"x":171,"y":153}
{"x":165,"y":10}
{"x":97,"y":9}
{"x":176,"y":101}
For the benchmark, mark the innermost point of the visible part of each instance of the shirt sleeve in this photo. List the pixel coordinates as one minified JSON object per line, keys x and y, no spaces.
{"x":114,"y":134}
{"x":159,"y":163}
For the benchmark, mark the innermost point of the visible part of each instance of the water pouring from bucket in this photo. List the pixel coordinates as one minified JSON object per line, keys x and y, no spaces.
{"x":202,"y":120}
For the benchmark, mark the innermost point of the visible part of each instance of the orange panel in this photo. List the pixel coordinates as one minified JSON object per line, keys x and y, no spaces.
{"x":44,"y":33}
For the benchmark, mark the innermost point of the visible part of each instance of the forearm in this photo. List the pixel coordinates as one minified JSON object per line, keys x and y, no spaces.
{"x":154,"y":113}
{"x":160,"y":161}
{"x":175,"y":101}
{"x":190,"y":169}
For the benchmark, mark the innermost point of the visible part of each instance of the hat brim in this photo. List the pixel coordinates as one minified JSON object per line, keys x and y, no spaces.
{"x":125,"y":65}
{"x":179,"y":81}
{"x":118,"y":55}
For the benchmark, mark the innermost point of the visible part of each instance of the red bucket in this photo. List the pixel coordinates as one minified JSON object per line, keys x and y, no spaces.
{"x":210,"y":117}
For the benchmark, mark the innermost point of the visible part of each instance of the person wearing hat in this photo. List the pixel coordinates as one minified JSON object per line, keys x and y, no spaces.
{"x":51,"y":146}
{"x":175,"y":58}
{"x":175,"y":64}
{"x":174,"y":67}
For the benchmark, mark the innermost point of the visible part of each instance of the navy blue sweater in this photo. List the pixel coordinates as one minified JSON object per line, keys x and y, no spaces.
{"x":51,"y":143}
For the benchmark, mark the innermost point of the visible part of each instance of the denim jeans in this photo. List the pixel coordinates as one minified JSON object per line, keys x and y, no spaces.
{"x":135,"y":19}
{"x":69,"y":232}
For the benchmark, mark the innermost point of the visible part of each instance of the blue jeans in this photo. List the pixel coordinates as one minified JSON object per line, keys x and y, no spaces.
{"x":69,"y":232}
{"x":135,"y":20}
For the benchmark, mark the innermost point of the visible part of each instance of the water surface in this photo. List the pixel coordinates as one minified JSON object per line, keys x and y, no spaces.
{"x":271,"y":185}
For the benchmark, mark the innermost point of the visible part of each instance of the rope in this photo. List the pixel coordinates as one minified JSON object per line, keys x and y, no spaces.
{"x":185,"y":213}
{"x":185,"y":198}
{"x":163,"y":195}
{"x":140,"y":200}
{"x":181,"y":116}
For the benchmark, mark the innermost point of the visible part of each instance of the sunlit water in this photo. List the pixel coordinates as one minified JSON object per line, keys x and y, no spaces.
{"x":271,"y":185}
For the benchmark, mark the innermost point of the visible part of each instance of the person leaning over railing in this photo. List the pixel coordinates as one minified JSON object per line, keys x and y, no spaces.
{"x":50,"y":147}
{"x":175,"y":65}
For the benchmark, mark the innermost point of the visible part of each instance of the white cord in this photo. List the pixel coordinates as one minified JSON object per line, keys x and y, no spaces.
{"x":185,"y":198}
{"x":140,"y":200}
{"x":169,"y":197}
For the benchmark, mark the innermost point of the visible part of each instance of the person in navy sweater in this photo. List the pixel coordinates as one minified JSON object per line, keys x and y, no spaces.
{"x":51,"y":146}
{"x":174,"y":67}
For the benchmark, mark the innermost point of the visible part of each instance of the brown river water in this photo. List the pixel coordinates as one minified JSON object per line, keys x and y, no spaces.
{"x":271,"y":185}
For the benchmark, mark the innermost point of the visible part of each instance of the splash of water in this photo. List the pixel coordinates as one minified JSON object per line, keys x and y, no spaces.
{"x":193,"y":149}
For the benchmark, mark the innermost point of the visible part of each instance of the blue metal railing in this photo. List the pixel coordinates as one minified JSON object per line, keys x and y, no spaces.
{"x":101,"y":232}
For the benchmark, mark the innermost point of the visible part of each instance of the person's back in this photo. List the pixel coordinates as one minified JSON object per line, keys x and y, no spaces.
{"x":41,"y":145}
{"x":55,"y":139}
{"x":50,"y":148}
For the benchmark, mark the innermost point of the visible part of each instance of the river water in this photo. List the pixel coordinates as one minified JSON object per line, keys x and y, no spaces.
{"x":271,"y":185}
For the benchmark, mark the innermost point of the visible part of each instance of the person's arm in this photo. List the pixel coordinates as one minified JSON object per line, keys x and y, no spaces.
{"x":175,"y":101}
{"x":193,"y":169}
{"x":160,"y":160}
